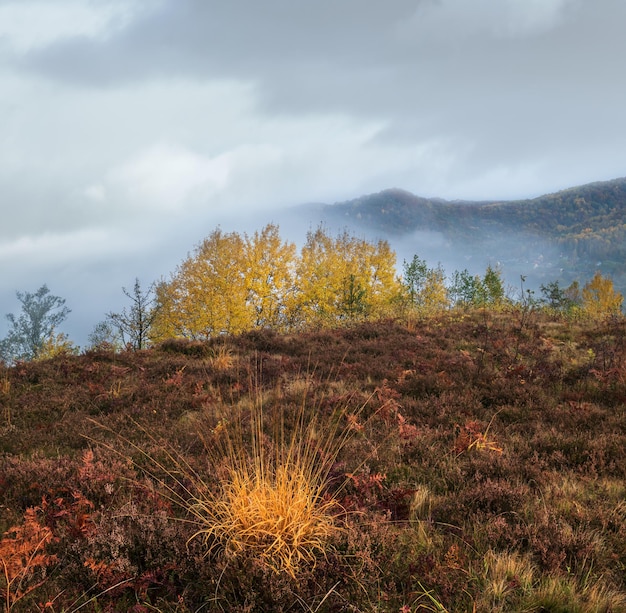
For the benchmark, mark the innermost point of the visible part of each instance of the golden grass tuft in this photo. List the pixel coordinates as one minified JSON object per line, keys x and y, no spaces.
{"x":269,"y":497}
{"x":222,"y":358}
{"x":421,"y":503}
{"x":279,"y":515}
{"x":564,"y":594}
{"x":273,"y":502}
{"x":506,"y":573}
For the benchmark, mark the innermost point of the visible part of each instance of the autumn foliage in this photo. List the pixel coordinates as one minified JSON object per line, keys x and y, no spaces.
{"x":234,"y":283}
{"x":600,"y":297}
{"x":23,"y":558}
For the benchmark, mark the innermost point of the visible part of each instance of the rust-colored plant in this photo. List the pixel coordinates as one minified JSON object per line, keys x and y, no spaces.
{"x":23,"y":558}
{"x":471,"y":436}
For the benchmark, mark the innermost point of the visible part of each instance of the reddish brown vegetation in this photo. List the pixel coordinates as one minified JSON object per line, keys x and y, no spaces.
{"x":479,"y":443}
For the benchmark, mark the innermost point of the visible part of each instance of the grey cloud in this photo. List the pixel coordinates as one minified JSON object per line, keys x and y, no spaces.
{"x":240,"y":38}
{"x":378,"y":59}
{"x":490,"y":81}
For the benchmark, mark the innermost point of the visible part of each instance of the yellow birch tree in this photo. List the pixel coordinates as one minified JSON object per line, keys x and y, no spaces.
{"x":207,"y":295}
{"x":434,"y":294}
{"x":600,"y":299}
{"x":343,"y":278}
{"x":269,"y":276}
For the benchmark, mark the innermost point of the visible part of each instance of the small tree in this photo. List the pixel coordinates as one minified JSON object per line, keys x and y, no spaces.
{"x":105,"y":336}
{"x":415,"y":277}
{"x":600,"y":299}
{"x":493,"y":286}
{"x":562,"y":300}
{"x":134,"y":323}
{"x":553,"y":296}
{"x":425,"y":287}
{"x":466,"y":289}
{"x":434,"y":294}
{"x":353,"y":303}
{"x":57,"y":344}
{"x":34,"y":329}
{"x":573,"y":295}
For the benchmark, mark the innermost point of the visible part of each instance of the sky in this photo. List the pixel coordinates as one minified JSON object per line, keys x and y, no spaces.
{"x":131,"y":128}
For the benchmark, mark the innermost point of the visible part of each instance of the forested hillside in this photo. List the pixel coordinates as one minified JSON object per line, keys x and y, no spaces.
{"x":585,"y":225}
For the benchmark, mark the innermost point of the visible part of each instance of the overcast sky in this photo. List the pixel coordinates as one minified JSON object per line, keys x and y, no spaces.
{"x":131,"y":128}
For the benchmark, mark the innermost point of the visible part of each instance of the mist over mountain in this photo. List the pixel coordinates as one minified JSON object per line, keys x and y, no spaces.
{"x":565,"y":236}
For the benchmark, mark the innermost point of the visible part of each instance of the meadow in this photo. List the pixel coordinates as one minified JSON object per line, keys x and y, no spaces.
{"x":467,"y":461}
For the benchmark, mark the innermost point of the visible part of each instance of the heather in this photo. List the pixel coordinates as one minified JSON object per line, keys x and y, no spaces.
{"x":465,"y":461}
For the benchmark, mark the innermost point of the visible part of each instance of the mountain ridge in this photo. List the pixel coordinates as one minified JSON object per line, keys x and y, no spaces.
{"x":612,"y":192}
{"x":571,"y":232}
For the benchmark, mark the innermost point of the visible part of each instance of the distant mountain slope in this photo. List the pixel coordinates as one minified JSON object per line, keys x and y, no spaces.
{"x":585,"y":225}
{"x":596,"y":207}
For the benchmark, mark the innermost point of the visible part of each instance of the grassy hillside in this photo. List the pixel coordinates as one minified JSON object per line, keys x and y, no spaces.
{"x":483,"y":468}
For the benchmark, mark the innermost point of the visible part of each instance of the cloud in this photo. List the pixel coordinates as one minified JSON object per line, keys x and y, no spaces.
{"x":531,"y":17}
{"x":165,"y":176}
{"x":294,"y":53}
{"x":452,"y":89}
{"x":27,"y":25}
{"x":473,"y":77}
{"x":459,"y":20}
{"x":56,"y":249}
{"x":96,"y":193}
{"x":241,"y":38}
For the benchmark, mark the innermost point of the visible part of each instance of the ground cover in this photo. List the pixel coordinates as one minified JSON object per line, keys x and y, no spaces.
{"x":473,"y":461}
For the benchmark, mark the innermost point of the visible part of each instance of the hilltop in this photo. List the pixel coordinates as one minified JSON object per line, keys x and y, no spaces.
{"x":595,"y":206}
{"x":483,"y":469}
{"x":570,"y":234}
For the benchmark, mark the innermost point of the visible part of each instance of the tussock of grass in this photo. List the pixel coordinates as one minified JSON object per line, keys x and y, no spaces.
{"x":279,"y":515}
{"x":421,"y":503}
{"x":563,"y":595}
{"x":274,"y":502}
{"x":507,"y":577}
{"x":222,"y":358}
